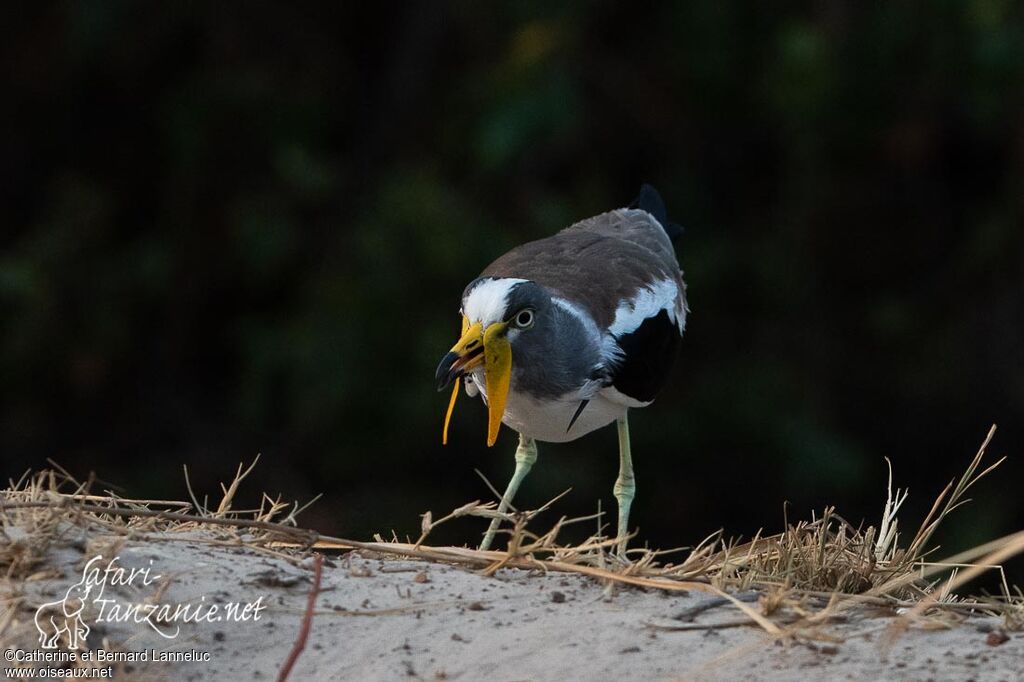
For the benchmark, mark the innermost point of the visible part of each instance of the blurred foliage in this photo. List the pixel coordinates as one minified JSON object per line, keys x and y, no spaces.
{"x":234,"y":228}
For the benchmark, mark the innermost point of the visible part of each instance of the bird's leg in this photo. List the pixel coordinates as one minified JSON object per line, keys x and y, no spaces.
{"x":526,"y":455}
{"x":625,"y":484}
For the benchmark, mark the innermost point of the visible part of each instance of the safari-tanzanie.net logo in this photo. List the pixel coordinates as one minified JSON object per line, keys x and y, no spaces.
{"x":63,"y":622}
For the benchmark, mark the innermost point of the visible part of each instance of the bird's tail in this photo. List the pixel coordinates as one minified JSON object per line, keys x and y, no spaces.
{"x":650,"y":200}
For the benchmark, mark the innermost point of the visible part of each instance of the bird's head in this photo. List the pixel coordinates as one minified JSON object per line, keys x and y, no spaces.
{"x":499,"y":318}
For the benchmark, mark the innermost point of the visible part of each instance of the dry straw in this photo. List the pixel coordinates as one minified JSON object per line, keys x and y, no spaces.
{"x":807,"y":575}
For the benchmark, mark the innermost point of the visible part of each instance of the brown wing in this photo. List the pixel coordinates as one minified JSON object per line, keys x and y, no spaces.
{"x":597,"y":263}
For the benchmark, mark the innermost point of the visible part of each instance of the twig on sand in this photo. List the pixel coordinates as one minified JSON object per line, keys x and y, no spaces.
{"x":690,"y":614}
{"x":725,"y":625}
{"x":307,"y":620}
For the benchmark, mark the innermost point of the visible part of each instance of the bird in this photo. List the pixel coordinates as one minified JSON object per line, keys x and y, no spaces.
{"x":564,"y":335}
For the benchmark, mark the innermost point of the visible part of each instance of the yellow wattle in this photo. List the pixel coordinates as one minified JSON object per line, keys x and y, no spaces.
{"x":448,"y":414}
{"x":498,"y":371}
{"x":455,"y":392}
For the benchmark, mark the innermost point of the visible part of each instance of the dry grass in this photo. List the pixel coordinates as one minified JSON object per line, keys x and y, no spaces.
{"x":829,"y":554}
{"x":49,"y":507}
{"x":824,"y":554}
{"x":808,"y":574}
{"x":44,"y":511}
{"x":814,"y":569}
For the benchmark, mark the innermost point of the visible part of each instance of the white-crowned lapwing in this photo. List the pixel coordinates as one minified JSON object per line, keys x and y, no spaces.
{"x":564,"y":335}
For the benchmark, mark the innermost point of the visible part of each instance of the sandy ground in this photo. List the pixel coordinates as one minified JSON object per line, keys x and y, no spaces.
{"x":393,"y":619}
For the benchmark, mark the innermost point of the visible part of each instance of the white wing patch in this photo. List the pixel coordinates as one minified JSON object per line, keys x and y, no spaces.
{"x":487,"y":301}
{"x":649,"y":301}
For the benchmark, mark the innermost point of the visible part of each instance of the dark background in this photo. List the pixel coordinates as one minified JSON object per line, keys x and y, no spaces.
{"x":240,"y":228}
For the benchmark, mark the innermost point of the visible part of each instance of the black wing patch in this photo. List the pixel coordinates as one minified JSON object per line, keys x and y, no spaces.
{"x":648,"y":354}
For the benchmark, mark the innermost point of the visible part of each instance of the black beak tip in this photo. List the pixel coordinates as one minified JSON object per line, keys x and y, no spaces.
{"x":444,"y":375}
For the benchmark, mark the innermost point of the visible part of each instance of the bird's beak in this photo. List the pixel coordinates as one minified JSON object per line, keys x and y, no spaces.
{"x":477,"y":346}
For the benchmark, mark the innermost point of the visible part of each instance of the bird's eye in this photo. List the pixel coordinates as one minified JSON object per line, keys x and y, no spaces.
{"x":524,"y":319}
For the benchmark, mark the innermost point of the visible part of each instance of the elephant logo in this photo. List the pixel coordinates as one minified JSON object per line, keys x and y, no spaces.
{"x":64,"y":616}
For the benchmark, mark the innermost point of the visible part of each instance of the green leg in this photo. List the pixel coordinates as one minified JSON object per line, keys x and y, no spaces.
{"x":526,"y":455}
{"x":625,"y":485}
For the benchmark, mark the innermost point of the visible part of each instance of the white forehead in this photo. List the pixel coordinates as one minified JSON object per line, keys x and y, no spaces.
{"x":487,"y":301}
